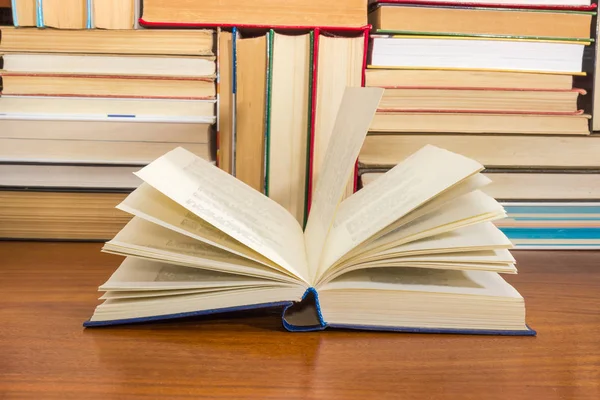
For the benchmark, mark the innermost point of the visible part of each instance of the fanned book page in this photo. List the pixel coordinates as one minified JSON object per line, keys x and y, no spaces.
{"x":413,"y":251}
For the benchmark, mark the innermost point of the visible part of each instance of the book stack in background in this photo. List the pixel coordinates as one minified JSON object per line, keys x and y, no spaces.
{"x":288,"y":90}
{"x":282,"y":74}
{"x":90,"y":98}
{"x":82,"y":109}
{"x":493,"y":81}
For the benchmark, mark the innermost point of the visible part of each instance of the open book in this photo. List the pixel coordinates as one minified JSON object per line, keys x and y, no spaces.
{"x":413,"y":251}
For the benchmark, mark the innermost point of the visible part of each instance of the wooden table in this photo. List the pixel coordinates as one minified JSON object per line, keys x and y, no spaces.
{"x":48,"y":289}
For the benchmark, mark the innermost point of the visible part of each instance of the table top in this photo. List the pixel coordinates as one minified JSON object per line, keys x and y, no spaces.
{"x":48,"y":289}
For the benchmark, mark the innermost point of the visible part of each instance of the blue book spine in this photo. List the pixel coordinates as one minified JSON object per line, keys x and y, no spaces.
{"x":90,"y":15}
{"x":39,"y":14}
{"x":13,"y":4}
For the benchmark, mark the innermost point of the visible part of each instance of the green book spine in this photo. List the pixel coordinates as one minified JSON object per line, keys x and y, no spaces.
{"x":269,"y":87}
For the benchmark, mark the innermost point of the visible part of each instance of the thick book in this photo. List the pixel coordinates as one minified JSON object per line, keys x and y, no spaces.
{"x":264,"y":13}
{"x":98,"y":41}
{"x":484,"y":100}
{"x":529,"y":184}
{"x":288,"y":120}
{"x":65,"y":14}
{"x":580,"y":5}
{"x":60,"y":214}
{"x":117,"y":86}
{"x":453,"y":20}
{"x":474,"y":79}
{"x":24,"y":12}
{"x":101,"y":64}
{"x":493,"y":54}
{"x":553,"y":225}
{"x":415,"y":251}
{"x":339,"y":61}
{"x":494,"y":151}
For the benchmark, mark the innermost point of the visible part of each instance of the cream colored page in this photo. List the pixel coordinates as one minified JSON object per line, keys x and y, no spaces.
{"x":479,"y":236}
{"x":147,"y":240}
{"x":468,"y":185}
{"x":483,"y":283}
{"x":501,"y":256}
{"x":340,"y":66}
{"x":151,"y":205}
{"x":230,"y":206}
{"x":289,"y":122}
{"x":474,"y":206}
{"x":356,"y":111}
{"x":139,"y":274}
{"x":416,"y":180}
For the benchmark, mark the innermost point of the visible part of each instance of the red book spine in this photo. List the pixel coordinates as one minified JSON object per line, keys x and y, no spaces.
{"x":366,"y":31}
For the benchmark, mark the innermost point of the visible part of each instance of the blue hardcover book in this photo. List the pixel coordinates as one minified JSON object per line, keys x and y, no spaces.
{"x":415,"y":251}
{"x":546,"y":225}
{"x":73,"y":8}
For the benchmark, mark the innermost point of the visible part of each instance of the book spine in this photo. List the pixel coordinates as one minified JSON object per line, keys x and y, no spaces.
{"x":13,"y":6}
{"x":366,"y":32}
{"x":89,"y":24}
{"x":310,"y":298}
{"x":310,"y":133}
{"x":234,"y":38}
{"x":218,"y":98}
{"x":313,"y":110}
{"x":39,"y":14}
{"x":268,"y":92}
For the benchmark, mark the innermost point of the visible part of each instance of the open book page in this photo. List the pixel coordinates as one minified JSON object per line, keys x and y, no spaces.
{"x":494,"y":256}
{"x":494,"y":260}
{"x":469,"y":209}
{"x":482,"y":236}
{"x":416,"y":180}
{"x":423,"y":298}
{"x":143,"y":239}
{"x":136,"y":274}
{"x":468,"y":185}
{"x":425,"y":280}
{"x":115,"y":309}
{"x":153,"y":206}
{"x":354,"y":117}
{"x":230,"y":206}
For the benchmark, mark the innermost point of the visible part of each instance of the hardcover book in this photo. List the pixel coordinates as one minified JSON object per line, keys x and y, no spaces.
{"x":414,"y":251}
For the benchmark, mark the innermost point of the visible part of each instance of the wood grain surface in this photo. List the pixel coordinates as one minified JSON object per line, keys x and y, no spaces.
{"x":48,"y":289}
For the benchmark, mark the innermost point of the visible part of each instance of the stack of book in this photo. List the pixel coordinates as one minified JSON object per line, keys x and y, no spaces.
{"x":454,"y":69}
{"x":82,"y":109}
{"x":493,"y":81}
{"x":287,"y":92}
